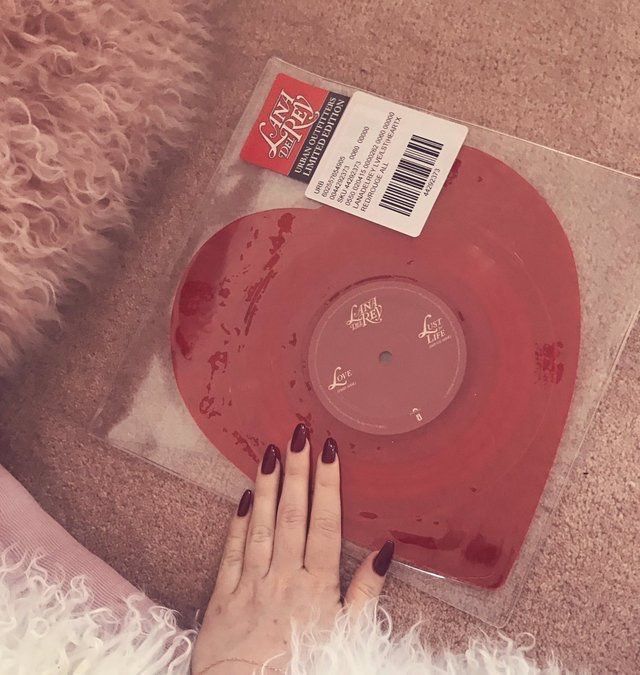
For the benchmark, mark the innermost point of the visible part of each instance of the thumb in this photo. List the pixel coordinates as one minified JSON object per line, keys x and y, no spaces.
{"x":368,"y":579}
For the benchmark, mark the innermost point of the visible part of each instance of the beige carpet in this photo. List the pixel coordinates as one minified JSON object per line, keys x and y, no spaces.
{"x":561,"y":73}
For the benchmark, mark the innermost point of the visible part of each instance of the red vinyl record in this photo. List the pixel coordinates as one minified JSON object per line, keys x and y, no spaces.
{"x":443,"y":365}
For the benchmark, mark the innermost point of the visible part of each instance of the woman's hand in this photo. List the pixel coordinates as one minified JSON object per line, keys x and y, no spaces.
{"x":281,"y":563}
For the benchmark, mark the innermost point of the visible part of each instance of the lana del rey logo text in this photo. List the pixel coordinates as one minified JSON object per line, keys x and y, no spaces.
{"x":289,"y":117}
{"x":365,"y":313}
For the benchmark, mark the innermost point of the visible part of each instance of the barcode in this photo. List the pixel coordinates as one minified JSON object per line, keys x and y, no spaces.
{"x":411,"y":175}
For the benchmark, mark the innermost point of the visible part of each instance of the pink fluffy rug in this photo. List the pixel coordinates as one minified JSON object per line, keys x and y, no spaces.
{"x":91,"y":93}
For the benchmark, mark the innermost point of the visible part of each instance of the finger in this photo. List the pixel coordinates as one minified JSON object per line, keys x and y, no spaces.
{"x":259,"y":547}
{"x":369,"y":578}
{"x":293,"y":509}
{"x":324,"y":541}
{"x":230,"y":569}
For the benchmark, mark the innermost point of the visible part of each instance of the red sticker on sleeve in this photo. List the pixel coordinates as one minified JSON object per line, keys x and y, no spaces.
{"x":293,"y":128}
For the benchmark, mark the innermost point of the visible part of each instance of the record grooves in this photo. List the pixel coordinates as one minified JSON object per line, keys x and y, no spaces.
{"x":444,"y":365}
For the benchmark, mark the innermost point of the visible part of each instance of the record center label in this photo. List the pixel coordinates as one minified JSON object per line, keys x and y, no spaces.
{"x":387,"y":357}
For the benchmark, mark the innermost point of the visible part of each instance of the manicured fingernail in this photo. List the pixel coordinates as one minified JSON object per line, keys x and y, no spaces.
{"x":299,"y":438}
{"x":329,"y":451}
{"x":383,"y":560}
{"x":245,"y":503}
{"x":270,"y":459}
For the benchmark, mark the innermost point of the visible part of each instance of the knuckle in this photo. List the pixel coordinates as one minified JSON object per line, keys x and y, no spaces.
{"x":292,"y":516}
{"x":327,"y":523}
{"x":261,"y":533}
{"x":297,"y":468}
{"x":367,"y":589}
{"x":327,"y":480}
{"x":232,"y":557}
{"x":235,"y":540}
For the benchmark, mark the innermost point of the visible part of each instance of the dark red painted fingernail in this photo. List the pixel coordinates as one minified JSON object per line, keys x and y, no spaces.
{"x":329,"y":451}
{"x":270,"y":459}
{"x":299,"y":438}
{"x":383,"y":560}
{"x":245,"y":503}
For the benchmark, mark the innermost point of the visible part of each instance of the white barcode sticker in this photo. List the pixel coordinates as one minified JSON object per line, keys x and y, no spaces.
{"x":386,"y":163}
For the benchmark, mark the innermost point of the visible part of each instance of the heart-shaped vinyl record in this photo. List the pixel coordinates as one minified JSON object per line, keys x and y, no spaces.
{"x":443,"y":365}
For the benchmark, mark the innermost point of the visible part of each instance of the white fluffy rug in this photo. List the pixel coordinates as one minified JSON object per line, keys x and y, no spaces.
{"x":365,"y":645}
{"x":49,"y":627}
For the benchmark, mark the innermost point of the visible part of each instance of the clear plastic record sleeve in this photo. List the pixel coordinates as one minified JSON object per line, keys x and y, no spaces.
{"x":459,"y":368}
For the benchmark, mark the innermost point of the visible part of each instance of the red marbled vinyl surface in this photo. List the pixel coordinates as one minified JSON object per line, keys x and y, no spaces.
{"x":456,"y":494}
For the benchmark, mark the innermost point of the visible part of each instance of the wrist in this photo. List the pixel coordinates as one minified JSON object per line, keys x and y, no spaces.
{"x":237,"y":666}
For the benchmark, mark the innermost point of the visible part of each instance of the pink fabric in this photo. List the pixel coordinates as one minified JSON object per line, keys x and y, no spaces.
{"x":26,"y":528}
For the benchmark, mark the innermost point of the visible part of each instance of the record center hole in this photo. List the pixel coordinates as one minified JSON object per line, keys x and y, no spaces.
{"x":385,"y":357}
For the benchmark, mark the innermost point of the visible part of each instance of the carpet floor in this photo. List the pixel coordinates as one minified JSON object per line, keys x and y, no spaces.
{"x":562,"y":74}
